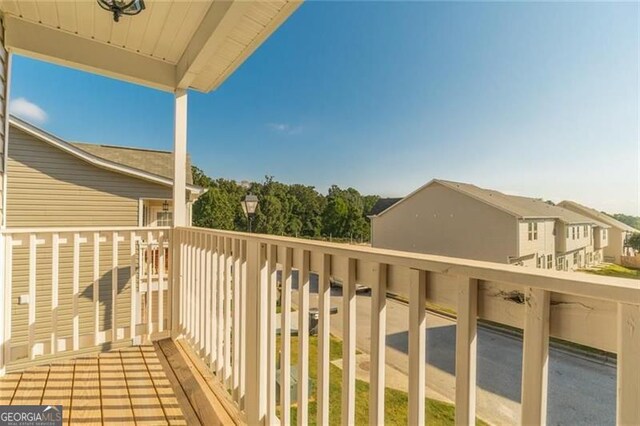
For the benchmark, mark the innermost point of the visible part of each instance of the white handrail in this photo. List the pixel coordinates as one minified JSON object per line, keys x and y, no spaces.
{"x":515,"y":296}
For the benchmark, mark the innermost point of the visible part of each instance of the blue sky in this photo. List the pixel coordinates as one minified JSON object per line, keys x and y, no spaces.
{"x":537,"y":99}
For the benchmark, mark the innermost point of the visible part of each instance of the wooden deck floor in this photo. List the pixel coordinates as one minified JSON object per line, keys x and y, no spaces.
{"x":135,"y":385}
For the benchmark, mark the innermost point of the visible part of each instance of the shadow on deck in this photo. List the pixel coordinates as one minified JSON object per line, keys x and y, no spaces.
{"x":163,"y":383}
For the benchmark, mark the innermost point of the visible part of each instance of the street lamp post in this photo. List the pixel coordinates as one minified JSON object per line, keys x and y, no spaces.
{"x":249,"y":205}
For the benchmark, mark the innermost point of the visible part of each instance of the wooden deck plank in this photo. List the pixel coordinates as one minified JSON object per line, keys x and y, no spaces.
{"x":57,"y":390}
{"x":8,"y":386}
{"x":151,"y":384}
{"x":147,"y":408}
{"x":31,"y":386}
{"x":163,"y":387}
{"x":205,"y":404}
{"x":86,"y":406}
{"x":114,"y":392}
{"x":187,"y":410}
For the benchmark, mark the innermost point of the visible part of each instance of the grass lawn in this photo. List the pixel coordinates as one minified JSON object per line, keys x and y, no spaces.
{"x":615,"y":271}
{"x":396,"y":402}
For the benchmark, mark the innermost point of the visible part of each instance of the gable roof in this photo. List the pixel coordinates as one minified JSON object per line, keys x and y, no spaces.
{"x":518,"y":206}
{"x":153,"y":161}
{"x":602,"y":217}
{"x":381,"y":205}
{"x":106,"y":157}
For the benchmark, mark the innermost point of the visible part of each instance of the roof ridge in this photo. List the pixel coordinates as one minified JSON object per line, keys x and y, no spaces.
{"x":132,"y":148}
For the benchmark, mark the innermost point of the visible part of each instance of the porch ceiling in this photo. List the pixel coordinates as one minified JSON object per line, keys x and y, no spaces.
{"x":172,"y":44}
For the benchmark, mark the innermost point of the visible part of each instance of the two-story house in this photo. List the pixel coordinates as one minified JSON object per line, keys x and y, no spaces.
{"x":615,"y":237}
{"x":464,"y":220}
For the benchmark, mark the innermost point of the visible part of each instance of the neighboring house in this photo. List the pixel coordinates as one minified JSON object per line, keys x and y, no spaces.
{"x":616,"y":236}
{"x":56,"y":183}
{"x":463,"y":220}
{"x":52,"y":183}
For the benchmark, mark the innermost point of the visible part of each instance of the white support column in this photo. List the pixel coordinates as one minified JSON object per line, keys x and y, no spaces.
{"x":180,"y":159}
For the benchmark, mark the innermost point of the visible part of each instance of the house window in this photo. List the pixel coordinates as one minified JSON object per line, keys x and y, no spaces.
{"x":576,"y":258}
{"x":573,"y":232}
{"x":541,"y":262}
{"x":578,"y":231}
{"x":164,"y":219}
{"x":533,"y":231}
{"x":604,"y":234}
{"x":566,"y":232}
{"x":559,"y":263}
{"x":549,"y":261}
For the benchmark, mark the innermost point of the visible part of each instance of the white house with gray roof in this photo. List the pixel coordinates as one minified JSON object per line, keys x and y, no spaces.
{"x":463,"y":220}
{"x":617,"y":235}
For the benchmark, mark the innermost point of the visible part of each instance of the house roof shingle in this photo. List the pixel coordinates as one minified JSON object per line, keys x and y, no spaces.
{"x":159,"y":163}
{"x":382,"y":204}
{"x":602,"y":217}
{"x":521,"y":207}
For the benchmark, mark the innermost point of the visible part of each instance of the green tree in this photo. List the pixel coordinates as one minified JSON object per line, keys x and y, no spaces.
{"x":633,"y":221}
{"x":294,"y":210}
{"x":634,"y":241}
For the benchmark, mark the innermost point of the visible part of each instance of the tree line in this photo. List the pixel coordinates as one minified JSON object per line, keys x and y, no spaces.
{"x":293,"y":210}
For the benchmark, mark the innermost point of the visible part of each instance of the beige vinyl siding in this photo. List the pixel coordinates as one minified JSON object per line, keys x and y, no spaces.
{"x":614,"y":244}
{"x":48,"y":187}
{"x":543,"y":245}
{"x":440,"y":220}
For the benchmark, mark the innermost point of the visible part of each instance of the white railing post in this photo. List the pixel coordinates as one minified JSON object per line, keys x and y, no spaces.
{"x":175,"y":283}
{"x":324,"y":306}
{"x":133,"y":276}
{"x":378,"y":343}
{"x":349,"y":344}
{"x":32,"y":295}
{"x":302,"y":261}
{"x":535,"y":356}
{"x":628,"y":388}
{"x":55,"y":269}
{"x":417,"y":344}
{"x":285,"y":337}
{"x":466,"y":350}
{"x":271,"y":351}
{"x":256,"y":361}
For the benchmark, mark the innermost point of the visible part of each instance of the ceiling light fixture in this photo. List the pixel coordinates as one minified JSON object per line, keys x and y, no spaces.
{"x":122,"y":7}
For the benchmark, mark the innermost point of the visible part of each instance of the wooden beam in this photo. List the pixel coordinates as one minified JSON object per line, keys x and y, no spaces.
{"x":67,"y":49}
{"x":219,"y":20}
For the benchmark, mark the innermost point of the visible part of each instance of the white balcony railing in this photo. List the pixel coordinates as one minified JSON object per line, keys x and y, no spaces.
{"x":228,"y":301}
{"x":68,"y":291}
